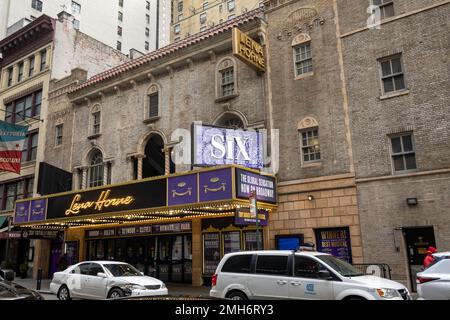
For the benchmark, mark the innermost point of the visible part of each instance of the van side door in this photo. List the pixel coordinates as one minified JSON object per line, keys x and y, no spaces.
{"x":271,"y":278}
{"x":306,"y":282}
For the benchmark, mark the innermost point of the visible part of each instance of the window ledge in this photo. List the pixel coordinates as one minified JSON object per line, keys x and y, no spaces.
{"x":151,"y":120}
{"x":305,"y":75}
{"x":225,"y":98}
{"x":28,"y":164}
{"x":312,"y":164}
{"x":94,"y":136}
{"x":394,"y":94}
{"x":58,"y":146}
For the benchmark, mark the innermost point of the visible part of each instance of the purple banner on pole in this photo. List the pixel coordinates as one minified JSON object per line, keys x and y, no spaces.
{"x":216,"y":185}
{"x":182,"y":190}
{"x":21,"y":214}
{"x":38,"y":209}
{"x":243,"y":217}
{"x":247,"y":181}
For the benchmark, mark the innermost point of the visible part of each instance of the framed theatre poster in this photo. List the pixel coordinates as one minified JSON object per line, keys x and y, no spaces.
{"x":211,"y":252}
{"x":335,"y":241}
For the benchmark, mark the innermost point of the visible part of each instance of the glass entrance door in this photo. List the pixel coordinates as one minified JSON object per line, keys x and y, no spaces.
{"x":174,"y":259}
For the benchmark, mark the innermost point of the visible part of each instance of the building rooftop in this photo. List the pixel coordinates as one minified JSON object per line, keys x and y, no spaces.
{"x":174,"y":47}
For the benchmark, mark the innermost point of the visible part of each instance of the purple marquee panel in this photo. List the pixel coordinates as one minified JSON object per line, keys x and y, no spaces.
{"x":219,"y":146}
{"x":216,"y":185}
{"x":243,"y":217}
{"x":38,"y":209}
{"x":247,"y":181}
{"x":182,"y":190}
{"x":21,"y":214}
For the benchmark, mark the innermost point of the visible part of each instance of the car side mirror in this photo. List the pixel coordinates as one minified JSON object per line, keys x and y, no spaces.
{"x":102,"y":274}
{"x":142,"y":274}
{"x":325,"y":275}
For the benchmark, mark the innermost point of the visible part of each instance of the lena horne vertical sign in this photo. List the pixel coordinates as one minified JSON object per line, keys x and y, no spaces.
{"x":12,"y":138}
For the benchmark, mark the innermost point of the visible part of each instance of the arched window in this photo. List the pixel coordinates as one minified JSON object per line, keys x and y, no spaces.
{"x":230,"y":120}
{"x":96,"y":170}
{"x":226,"y":84}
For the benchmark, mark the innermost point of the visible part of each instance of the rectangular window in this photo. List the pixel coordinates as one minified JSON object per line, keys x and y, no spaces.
{"x":392,"y":75}
{"x":37,"y":5}
{"x":10,"y":76}
{"x":180,"y":6}
{"x":227,"y":83}
{"x":276,"y":265}
{"x":120,"y":16}
{"x":203,"y":18}
{"x":147,"y":46}
{"x":147,"y":6}
{"x":310,"y":145}
{"x":43,"y":60}
{"x":13,"y":191}
{"x":23,"y":108}
{"x":153,"y":103}
{"x":303,"y":59}
{"x":29,"y":151}
{"x":58,"y":134}
{"x":20,"y":74}
{"x":147,"y":18}
{"x":176,"y":29}
{"x":403,"y":153}
{"x":76,"y":24}
{"x":147,"y":32}
{"x":96,"y":122}
{"x":119,"y":30}
{"x":119,"y":45}
{"x":121,"y":3}
{"x":205,"y":5}
{"x":31,"y":69}
{"x":76,"y":7}
{"x":231,"y":5}
{"x":386,"y":8}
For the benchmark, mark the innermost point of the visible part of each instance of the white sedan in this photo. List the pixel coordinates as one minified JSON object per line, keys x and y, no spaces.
{"x":104,"y":280}
{"x":434,"y":282}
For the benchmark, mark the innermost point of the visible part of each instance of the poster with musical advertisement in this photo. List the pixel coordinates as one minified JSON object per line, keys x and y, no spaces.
{"x":211,"y":252}
{"x":335,"y":241}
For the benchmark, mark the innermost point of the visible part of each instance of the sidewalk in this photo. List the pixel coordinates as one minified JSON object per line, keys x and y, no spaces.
{"x":175,"y":289}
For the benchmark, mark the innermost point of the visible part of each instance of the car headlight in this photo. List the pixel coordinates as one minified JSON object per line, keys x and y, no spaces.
{"x":134,"y":287}
{"x":387,"y":293}
{"x":163,"y":285}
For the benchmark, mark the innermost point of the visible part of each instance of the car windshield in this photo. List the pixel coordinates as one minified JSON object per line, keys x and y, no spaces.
{"x":122,"y":270}
{"x":343,"y":268}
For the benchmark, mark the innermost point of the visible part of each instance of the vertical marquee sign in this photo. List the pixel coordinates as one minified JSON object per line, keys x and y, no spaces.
{"x":248,"y":50}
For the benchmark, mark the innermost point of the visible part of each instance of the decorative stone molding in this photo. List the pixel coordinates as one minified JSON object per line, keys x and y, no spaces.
{"x":170,"y":71}
{"x":212,"y":56}
{"x":118,"y":91}
{"x":187,"y":100}
{"x":307,"y":122}
{"x":301,"y":38}
{"x":190,"y":64}
{"x":402,"y":129}
{"x":133,"y":85}
{"x":300,"y":21}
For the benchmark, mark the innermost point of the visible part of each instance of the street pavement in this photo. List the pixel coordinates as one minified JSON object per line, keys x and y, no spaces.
{"x":175,"y":289}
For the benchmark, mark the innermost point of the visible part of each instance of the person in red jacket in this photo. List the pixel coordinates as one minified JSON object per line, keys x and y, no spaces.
{"x":429,"y":257}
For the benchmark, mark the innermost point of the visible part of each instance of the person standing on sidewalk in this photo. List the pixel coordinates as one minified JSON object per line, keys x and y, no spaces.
{"x":429,"y":257}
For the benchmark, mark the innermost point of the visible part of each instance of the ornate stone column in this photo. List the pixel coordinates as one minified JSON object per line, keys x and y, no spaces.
{"x":140,"y":158}
{"x":84,"y":177}
{"x":167,"y":150}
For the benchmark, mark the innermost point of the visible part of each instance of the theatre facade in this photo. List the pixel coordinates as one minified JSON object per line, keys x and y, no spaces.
{"x":174,"y":227}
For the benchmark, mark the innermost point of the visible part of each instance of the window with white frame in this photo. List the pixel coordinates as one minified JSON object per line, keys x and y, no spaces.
{"x":310,"y":145}
{"x":96,"y":170}
{"x":37,"y":5}
{"x":177,"y":29}
{"x":231,"y":5}
{"x":205,"y":5}
{"x":392,"y":75}
{"x":303,"y":59}
{"x":203,"y":18}
{"x":403,"y":152}
{"x":386,"y":8}
{"x":227,"y":81}
{"x":76,"y":7}
{"x":58,"y":134}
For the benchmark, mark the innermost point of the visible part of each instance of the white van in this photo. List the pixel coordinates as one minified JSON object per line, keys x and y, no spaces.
{"x":298,"y":275}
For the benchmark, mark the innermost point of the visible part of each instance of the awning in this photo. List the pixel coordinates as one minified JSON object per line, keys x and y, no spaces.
{"x":213,"y":191}
{"x":3,"y":221}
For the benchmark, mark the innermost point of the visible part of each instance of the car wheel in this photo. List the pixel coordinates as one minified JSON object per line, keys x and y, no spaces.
{"x":63,"y":293}
{"x":236,"y":295}
{"x":115,"y":293}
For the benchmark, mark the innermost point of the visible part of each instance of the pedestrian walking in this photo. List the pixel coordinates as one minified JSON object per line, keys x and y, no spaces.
{"x":429,"y":257}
